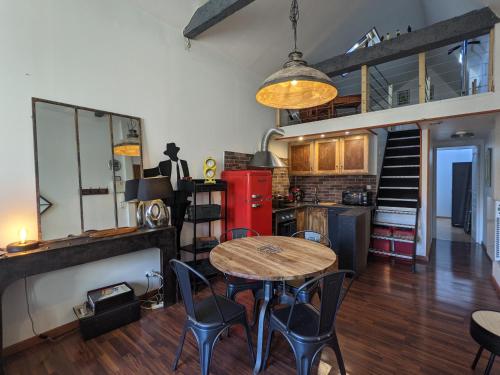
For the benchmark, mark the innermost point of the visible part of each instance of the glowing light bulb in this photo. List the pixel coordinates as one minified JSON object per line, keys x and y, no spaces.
{"x":301,"y":138}
{"x":294,"y":82}
{"x":322,"y":136}
{"x":23,"y":234}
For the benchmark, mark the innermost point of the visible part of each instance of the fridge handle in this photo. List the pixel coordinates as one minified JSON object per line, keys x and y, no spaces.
{"x":256,"y":205}
{"x":256,"y":196}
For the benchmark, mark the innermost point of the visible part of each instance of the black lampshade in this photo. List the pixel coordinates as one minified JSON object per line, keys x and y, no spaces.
{"x":154,"y":188}
{"x":131,"y":187}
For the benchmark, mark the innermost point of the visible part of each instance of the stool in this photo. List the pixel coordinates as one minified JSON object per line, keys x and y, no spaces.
{"x":485,"y":329}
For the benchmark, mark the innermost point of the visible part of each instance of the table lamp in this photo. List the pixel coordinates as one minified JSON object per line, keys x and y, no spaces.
{"x":23,"y":244}
{"x":151,"y":191}
{"x":131,"y":188}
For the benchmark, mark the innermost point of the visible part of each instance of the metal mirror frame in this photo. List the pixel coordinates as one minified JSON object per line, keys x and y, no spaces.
{"x":77,"y":108}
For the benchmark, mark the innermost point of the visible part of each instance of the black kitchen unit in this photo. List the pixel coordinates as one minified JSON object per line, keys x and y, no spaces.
{"x":349,"y":231}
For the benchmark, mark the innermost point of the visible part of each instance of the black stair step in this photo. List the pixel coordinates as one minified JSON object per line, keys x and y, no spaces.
{"x":405,"y":204}
{"x":403,"y":142}
{"x":404,"y":133}
{"x":402,"y":151}
{"x":405,"y":171}
{"x":398,"y":193}
{"x":399,"y":182}
{"x":414,"y":160}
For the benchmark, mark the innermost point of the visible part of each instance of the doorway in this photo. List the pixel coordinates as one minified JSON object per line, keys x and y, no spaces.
{"x":456,"y":193}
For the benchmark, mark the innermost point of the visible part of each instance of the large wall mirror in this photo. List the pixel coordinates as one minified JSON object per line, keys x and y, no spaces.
{"x":83,"y":157}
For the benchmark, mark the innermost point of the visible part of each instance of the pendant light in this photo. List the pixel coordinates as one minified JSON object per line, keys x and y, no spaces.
{"x":131,"y":145}
{"x":296,"y":85}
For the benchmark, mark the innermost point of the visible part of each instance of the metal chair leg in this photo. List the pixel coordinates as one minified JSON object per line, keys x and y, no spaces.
{"x":490,"y":364}
{"x":206,"y":341}
{"x":338,"y":354}
{"x":249,"y":342}
{"x":476,"y":359}
{"x":179,"y":348}
{"x":270,"y":334}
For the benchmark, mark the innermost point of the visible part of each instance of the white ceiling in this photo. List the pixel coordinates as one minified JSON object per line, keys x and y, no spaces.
{"x":259,"y":37}
{"x":480,"y":125}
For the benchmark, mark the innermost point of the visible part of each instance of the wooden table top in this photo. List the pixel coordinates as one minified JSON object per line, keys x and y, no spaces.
{"x":489,"y":320}
{"x":272,"y":258}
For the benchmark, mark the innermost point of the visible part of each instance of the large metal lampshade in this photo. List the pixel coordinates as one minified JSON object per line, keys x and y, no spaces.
{"x":296,"y":85}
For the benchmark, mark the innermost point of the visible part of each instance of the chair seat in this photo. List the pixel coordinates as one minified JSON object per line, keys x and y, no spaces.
{"x":206,"y":310}
{"x":304,"y":323}
{"x":485,"y":329}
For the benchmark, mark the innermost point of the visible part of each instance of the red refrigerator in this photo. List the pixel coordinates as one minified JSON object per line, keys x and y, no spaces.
{"x":249,"y":200}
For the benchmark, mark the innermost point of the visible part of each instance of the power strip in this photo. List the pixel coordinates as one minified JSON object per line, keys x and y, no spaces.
{"x":156,"y":306}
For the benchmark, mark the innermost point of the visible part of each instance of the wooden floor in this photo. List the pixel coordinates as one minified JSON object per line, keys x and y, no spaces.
{"x":392,"y":322}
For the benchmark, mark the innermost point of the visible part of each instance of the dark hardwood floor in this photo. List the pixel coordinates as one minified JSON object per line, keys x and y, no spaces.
{"x":392,"y":322}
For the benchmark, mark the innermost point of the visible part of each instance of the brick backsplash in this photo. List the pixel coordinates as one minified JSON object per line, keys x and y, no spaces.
{"x":329,"y":187}
{"x":239,"y":161}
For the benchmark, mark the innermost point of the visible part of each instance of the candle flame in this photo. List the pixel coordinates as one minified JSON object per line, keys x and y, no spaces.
{"x":23,"y":234}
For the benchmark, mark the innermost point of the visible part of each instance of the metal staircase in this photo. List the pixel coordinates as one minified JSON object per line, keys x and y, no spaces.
{"x":395,"y":224}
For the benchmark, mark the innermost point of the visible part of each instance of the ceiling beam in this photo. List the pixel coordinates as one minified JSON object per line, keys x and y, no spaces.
{"x":210,"y":14}
{"x":457,"y":29}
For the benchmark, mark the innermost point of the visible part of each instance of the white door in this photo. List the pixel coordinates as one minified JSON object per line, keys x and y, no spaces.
{"x":475,"y":192}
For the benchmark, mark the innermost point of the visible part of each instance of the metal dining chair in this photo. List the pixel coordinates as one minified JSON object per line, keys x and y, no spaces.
{"x":207,"y":318}
{"x":290,"y":288}
{"x":235,"y":285}
{"x":309,"y":329}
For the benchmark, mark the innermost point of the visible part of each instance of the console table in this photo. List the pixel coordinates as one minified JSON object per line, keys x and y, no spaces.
{"x":59,"y":254}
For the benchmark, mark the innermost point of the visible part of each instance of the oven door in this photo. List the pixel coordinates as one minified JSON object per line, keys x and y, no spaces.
{"x":287,"y":228}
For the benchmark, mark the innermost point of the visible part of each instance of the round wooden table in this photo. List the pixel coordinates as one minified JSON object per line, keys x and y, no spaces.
{"x":270,"y":259}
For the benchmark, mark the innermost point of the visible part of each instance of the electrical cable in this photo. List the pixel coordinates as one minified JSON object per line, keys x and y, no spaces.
{"x":39,"y":335}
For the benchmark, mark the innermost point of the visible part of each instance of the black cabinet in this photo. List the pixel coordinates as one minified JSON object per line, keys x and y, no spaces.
{"x":349,"y":232}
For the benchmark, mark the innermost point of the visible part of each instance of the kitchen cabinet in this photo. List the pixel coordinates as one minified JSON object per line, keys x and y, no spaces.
{"x":301,"y":158}
{"x":354,"y":154}
{"x":301,"y":217}
{"x":317,"y":220}
{"x":327,"y":156}
{"x":340,"y":155}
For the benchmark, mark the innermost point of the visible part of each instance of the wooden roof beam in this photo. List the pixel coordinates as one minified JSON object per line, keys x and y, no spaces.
{"x":466,"y":26}
{"x":210,"y":14}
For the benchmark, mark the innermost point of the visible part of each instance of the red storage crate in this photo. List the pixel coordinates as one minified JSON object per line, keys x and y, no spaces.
{"x":382,"y":231}
{"x":403,"y":248}
{"x":382,"y":245}
{"x":406,"y":234}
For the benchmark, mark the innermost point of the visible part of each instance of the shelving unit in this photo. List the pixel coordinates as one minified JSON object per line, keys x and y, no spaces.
{"x":196,"y":187}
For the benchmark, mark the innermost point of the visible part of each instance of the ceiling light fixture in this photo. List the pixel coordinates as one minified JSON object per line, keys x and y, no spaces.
{"x":131,"y":145}
{"x":296,"y":85}
{"x":462,"y":134}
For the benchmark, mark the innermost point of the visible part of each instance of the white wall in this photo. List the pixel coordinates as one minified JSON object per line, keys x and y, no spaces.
{"x":110,"y":55}
{"x":492,"y":195}
{"x":444,"y":174}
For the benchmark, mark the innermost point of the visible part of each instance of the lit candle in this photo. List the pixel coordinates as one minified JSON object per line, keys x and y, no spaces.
{"x":23,"y":234}
{"x":24,"y":244}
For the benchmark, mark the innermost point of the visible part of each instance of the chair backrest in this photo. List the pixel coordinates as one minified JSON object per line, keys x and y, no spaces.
{"x":235,"y":233}
{"x":313,"y":236}
{"x":184,"y":273}
{"x":334,"y":287}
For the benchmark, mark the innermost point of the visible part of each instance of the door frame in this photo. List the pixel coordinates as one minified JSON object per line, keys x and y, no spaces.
{"x":478,"y":219}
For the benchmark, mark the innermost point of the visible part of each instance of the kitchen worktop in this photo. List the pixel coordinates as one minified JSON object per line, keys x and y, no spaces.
{"x":293,"y":206}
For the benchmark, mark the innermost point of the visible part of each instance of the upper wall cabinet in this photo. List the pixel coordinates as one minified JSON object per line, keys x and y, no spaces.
{"x":301,"y":157}
{"x":331,"y":156}
{"x":354,"y":154}
{"x":327,"y":156}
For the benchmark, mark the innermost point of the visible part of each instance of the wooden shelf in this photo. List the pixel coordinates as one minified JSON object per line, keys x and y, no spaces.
{"x":392,"y":238}
{"x":390,"y":254}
